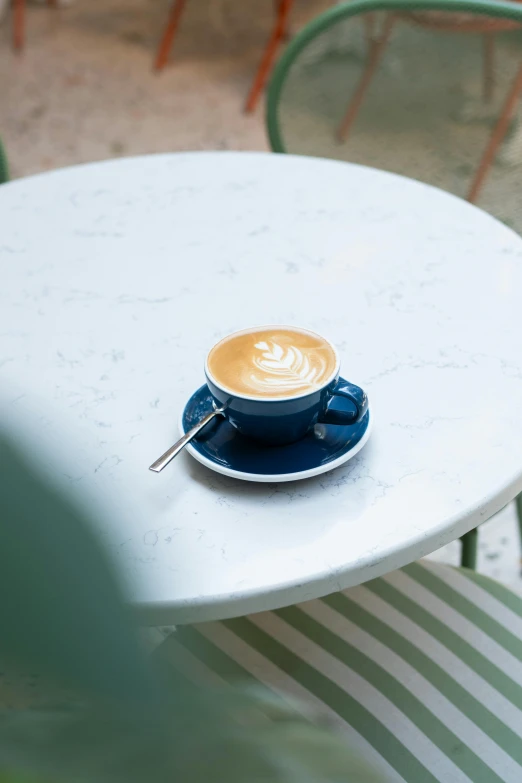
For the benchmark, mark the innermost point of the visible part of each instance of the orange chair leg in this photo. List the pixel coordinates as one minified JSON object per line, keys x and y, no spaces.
{"x":162,"y":55}
{"x":496,"y":138}
{"x":376,"y":51}
{"x":369,"y":29}
{"x":277,"y":35}
{"x":277,"y":9}
{"x":18,"y":24}
{"x":488,"y":46}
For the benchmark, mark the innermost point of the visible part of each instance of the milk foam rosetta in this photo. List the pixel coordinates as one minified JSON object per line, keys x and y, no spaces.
{"x":272,"y":362}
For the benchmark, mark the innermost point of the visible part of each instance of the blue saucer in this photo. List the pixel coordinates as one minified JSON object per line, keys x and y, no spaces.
{"x":223,"y":449}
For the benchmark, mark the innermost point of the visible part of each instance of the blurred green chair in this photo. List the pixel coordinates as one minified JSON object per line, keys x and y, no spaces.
{"x":379,"y":83}
{"x":4,"y":169}
{"x":421,"y":670}
{"x":329,"y":67}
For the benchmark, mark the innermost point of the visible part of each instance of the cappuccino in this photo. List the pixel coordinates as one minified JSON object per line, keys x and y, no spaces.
{"x":272,"y":362}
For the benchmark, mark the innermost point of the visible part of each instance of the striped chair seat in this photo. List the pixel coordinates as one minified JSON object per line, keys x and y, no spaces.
{"x":421,"y":668}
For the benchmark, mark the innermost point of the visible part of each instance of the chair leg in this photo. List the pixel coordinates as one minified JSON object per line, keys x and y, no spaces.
{"x":283,"y":13}
{"x":162,"y":55}
{"x":488,"y":65}
{"x":518,"y":504}
{"x":52,"y":3}
{"x":369,"y":30}
{"x":377,"y":48}
{"x":468,"y":558}
{"x":277,"y":9}
{"x":496,"y":138}
{"x":18,"y":24}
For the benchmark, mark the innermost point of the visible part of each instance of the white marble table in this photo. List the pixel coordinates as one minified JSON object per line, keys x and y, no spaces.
{"x":116,"y":279}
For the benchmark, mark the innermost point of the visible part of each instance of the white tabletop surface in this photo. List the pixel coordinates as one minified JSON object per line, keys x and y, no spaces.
{"x":118,"y":277}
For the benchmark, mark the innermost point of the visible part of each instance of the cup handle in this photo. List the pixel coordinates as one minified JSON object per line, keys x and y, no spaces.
{"x":351,"y":392}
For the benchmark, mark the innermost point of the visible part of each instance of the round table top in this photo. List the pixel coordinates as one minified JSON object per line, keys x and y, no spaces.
{"x":119,"y":276}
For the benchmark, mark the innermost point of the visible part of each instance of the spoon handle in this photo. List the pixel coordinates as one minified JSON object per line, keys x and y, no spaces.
{"x":169,"y":455}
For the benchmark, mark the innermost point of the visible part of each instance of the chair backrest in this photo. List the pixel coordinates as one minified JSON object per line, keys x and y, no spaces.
{"x":393,"y":84}
{"x":4,"y":169}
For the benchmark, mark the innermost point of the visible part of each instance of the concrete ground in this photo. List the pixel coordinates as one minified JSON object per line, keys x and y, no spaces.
{"x":84,"y":90}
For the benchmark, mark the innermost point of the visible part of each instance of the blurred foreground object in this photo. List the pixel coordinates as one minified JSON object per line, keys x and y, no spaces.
{"x":63,"y":617}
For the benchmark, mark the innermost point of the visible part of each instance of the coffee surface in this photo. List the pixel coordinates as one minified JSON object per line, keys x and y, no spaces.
{"x":272,"y":362}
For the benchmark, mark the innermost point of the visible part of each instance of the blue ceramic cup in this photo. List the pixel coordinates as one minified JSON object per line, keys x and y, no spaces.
{"x":277,"y":421}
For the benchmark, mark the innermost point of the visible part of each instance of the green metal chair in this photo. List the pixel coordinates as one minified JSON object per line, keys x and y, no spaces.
{"x":328,"y":82}
{"x":420,"y":669}
{"x":379,"y":83}
{"x":4,"y":170}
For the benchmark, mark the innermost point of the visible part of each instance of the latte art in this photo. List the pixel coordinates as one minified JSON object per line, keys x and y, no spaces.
{"x":278,"y":368}
{"x":279,"y":362}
